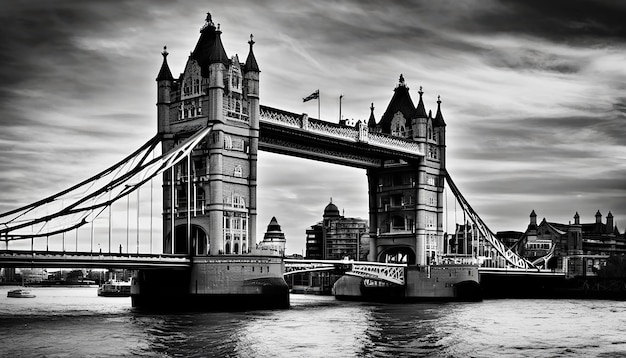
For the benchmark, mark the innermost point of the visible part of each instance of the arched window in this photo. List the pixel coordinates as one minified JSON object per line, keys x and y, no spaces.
{"x":238,"y":171}
{"x":228,"y":142}
{"x":228,"y":247}
{"x":236,"y":249}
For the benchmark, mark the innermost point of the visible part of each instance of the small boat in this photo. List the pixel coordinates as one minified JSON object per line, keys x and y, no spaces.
{"x":114,"y":289}
{"x":20,"y":293}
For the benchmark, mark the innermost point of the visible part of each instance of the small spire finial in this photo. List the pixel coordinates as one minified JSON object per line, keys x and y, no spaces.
{"x":251,"y":42}
{"x":439,"y":99}
{"x":218,"y":27}
{"x":401,"y":79}
{"x":164,"y":53}
{"x":372,"y":107}
{"x":420,"y":91}
{"x":208,"y":22}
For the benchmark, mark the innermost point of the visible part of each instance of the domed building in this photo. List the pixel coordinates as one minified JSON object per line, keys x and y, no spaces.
{"x":274,"y":238}
{"x":336,"y":237}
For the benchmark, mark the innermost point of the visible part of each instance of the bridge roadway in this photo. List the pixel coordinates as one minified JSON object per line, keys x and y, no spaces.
{"x":59,"y":259}
{"x":395,"y":273}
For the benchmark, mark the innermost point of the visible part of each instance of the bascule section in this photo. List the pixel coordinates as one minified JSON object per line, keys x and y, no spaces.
{"x":406,"y":196}
{"x":209,"y":205}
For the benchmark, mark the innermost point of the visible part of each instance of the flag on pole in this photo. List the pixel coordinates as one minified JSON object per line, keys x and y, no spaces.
{"x":313,"y":95}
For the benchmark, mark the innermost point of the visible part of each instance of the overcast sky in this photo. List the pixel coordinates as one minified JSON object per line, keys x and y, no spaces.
{"x":533,"y":94}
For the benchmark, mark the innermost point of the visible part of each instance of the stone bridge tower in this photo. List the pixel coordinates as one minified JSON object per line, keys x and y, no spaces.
{"x":209,"y":199}
{"x":406,"y":198}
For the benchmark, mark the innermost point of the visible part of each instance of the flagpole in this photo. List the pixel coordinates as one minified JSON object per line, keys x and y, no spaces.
{"x":318,"y":105}
{"x":340,"y":97}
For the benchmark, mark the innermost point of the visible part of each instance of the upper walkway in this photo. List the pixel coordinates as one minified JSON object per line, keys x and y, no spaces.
{"x":298,"y":135}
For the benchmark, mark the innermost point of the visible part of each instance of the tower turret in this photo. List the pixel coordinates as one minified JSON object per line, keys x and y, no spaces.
{"x":164,"y":89}
{"x":609,"y":223}
{"x":251,"y":94}
{"x":371,"y":123}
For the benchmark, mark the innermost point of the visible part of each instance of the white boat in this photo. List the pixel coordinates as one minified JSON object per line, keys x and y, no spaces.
{"x":114,"y":289}
{"x":20,"y":293}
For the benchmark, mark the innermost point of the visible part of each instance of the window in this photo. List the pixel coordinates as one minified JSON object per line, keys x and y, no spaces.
{"x":238,"y":172}
{"x":238,"y":202}
{"x":397,"y":222}
{"x":228,"y":142}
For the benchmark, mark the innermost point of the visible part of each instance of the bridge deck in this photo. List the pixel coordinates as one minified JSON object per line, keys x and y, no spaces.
{"x":54,"y":259}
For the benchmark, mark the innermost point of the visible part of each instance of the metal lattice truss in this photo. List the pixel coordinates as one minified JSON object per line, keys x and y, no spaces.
{"x":511,"y":258}
{"x":392,"y":273}
{"x":82,"y":203}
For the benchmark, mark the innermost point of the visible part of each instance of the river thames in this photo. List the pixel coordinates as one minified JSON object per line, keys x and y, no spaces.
{"x":75,"y":322}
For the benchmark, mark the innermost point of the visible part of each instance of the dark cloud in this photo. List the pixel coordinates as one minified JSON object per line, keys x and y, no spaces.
{"x":569,"y":21}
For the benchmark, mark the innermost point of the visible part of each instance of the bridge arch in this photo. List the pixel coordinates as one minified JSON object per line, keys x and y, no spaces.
{"x":199,"y":240}
{"x":398,"y":255}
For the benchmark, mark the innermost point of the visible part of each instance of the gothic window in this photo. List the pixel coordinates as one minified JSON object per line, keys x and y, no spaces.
{"x":228,"y":142}
{"x":430,"y":133}
{"x":196,"y":86}
{"x":228,"y":247}
{"x":236,"y":248}
{"x":398,"y":125}
{"x":227,"y":223}
{"x":238,"y":171}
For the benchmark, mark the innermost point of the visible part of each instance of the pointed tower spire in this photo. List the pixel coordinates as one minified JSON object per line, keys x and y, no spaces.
{"x":576,"y":219}
{"x":371,"y":123}
{"x":609,"y":223}
{"x":251,"y":64}
{"x":439,"y":122}
{"x":420,"y":111}
{"x":165,"y":74}
{"x":218,"y":54}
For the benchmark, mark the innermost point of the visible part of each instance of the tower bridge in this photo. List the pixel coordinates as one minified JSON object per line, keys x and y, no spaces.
{"x":210,"y":127}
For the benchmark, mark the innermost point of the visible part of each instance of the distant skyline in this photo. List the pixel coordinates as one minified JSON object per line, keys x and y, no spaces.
{"x":532,"y":93}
